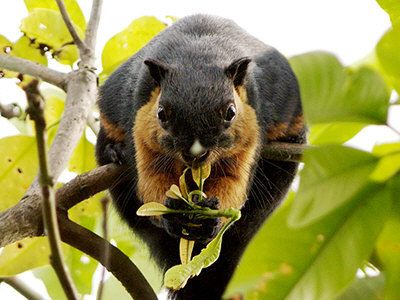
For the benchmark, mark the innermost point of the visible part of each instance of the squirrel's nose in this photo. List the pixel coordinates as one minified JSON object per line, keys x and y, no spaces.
{"x":196,"y":152}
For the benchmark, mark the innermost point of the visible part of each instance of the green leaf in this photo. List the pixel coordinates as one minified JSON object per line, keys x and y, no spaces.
{"x":81,"y":267}
{"x":18,"y":167}
{"x":82,"y":159}
{"x":388,"y":251}
{"x":126,"y":43}
{"x":368,"y":288}
{"x":389,"y":163}
{"x":24,"y":255}
{"x":314,"y":262}
{"x":74,"y":11}
{"x":4,"y":44}
{"x":388,"y":54}
{"x":332,"y":175}
{"x":47,"y":27}
{"x":24,"y":48}
{"x":330,"y":93}
{"x":152,"y":209}
{"x":333,"y":133}
{"x":392,"y":7}
{"x":50,"y":280}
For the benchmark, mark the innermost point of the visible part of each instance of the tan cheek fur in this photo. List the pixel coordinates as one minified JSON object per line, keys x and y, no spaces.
{"x":231,"y":189}
{"x":154,"y":178}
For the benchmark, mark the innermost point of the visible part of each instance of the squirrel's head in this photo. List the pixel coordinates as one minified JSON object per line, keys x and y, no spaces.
{"x":200,"y":112}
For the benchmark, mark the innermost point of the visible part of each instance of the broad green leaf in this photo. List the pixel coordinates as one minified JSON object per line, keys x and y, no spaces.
{"x":152,"y":209}
{"x":53,"y":111}
{"x":81,"y":267}
{"x":333,"y":133}
{"x":74,"y":11}
{"x":392,"y":7}
{"x":18,"y":167}
{"x":368,"y":288}
{"x":88,"y":213}
{"x":332,"y":176}
{"x":314,"y":262}
{"x":24,"y":48}
{"x":4,"y":44}
{"x":113,"y":289}
{"x":389,"y":163}
{"x":388,"y":54}
{"x":126,"y":43}
{"x":50,"y":280}
{"x":82,"y":159}
{"x":24,"y":255}
{"x":388,"y":251}
{"x":331,"y":93}
{"x":47,"y":27}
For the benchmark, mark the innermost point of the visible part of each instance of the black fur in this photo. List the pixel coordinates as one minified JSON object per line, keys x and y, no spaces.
{"x":197,"y":53}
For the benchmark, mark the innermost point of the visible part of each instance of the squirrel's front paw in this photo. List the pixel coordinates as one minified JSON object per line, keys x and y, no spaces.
{"x":191,"y":226}
{"x":116,"y":153}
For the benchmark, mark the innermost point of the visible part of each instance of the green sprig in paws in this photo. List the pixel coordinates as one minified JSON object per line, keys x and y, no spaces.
{"x":177,"y":276}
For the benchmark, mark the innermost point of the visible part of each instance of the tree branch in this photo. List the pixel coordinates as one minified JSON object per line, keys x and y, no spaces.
{"x":28,"y":67}
{"x":93,"y":24}
{"x":22,"y":288}
{"x":117,"y":263}
{"x":36,"y":112}
{"x":67,"y":20}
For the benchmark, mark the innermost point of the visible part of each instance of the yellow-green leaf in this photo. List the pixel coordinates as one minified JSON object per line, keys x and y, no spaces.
{"x":18,"y":167}
{"x":74,"y":11}
{"x":46,"y":26}
{"x":174,"y":192}
{"x":152,"y":209}
{"x":386,"y":168}
{"x":82,"y":159}
{"x":24,"y":255}
{"x":182,"y":184}
{"x":126,"y":43}
{"x":185,"y":250}
{"x":25,"y":49}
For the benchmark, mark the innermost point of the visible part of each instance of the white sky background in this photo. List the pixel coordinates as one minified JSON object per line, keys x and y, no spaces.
{"x":348,"y":28}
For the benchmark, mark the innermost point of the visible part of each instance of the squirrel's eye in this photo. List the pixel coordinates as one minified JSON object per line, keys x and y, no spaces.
{"x":230,"y":113}
{"x":162,"y":115}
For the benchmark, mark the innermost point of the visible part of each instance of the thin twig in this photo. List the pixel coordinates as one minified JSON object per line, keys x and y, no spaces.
{"x":28,"y":67}
{"x":67,"y":20}
{"x":22,"y":288}
{"x":36,"y":112}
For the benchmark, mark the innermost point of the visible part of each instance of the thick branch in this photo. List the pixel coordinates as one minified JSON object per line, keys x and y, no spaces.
{"x":25,"y":219}
{"x":117,"y":263}
{"x":67,"y":20}
{"x":34,"y":69}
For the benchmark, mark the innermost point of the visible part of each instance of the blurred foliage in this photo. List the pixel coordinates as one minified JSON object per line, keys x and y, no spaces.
{"x":344,"y":215}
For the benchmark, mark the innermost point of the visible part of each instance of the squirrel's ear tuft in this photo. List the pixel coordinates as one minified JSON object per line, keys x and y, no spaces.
{"x":237,"y":70}
{"x":157,"y":69}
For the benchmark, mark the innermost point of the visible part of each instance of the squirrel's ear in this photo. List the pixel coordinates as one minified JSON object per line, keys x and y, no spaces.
{"x":237,"y":70}
{"x":157,"y":69}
